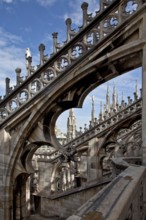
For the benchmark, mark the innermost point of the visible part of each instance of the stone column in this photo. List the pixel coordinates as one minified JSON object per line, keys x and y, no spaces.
{"x":144,"y":106}
{"x":41,"y":49}
{"x":7,"y":86}
{"x":28,"y":206}
{"x":92,"y":165}
{"x":64,"y":180}
{"x":144,"y":119}
{"x":68,"y":178}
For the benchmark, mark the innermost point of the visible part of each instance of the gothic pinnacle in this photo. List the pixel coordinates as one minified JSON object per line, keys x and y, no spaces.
{"x":18,"y":72}
{"x":55,"y":34}
{"x":136,"y":88}
{"x":27,"y":53}
{"x":136,"y":91}
{"x":114,"y":97}
{"x":7,"y":80}
{"x":68,"y":24}
{"x":93,"y":111}
{"x":101,"y":113}
{"x":107,"y":99}
{"x":41,"y":49}
{"x":84,"y":7}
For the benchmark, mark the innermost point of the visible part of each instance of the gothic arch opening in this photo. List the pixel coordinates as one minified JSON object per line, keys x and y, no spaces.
{"x":106,"y":99}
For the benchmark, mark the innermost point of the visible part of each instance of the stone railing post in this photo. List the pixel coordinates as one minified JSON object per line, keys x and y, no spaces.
{"x":41,"y":49}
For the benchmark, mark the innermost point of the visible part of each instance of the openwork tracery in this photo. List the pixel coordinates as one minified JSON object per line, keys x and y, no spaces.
{"x":78,"y":44}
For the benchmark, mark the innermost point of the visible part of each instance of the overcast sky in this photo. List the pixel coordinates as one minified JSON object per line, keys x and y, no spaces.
{"x":27,"y":23}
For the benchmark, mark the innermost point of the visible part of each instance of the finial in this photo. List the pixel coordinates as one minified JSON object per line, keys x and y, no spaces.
{"x":86,"y":17}
{"x":54,"y":34}
{"x":84,"y":5}
{"x":18,"y":77}
{"x":7,"y":80}
{"x":18,"y":71}
{"x":27,"y":53}
{"x":56,"y":45}
{"x":128,"y":99}
{"x":68,"y":21}
{"x":42,"y":49}
{"x":70,"y":33}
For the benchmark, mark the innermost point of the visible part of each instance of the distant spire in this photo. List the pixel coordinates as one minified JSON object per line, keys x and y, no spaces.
{"x":93,"y":111}
{"x":71,"y":125}
{"x":107,"y":99}
{"x":114,"y":104}
{"x":71,"y":112}
{"x":136,"y":87}
{"x":136,"y":91}
{"x":122,"y":100}
{"x":117,"y":98}
{"x":101,"y":107}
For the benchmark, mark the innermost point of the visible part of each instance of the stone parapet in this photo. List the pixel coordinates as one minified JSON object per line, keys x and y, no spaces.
{"x":119,"y":200}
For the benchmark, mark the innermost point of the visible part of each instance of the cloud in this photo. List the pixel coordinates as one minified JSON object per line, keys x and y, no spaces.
{"x":8,"y":38}
{"x":46,"y":3}
{"x":8,"y":1}
{"x":12,"y":56}
{"x":43,"y":3}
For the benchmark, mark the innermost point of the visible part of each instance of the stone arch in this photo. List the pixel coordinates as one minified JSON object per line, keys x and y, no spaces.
{"x":49,"y":112}
{"x":16,"y":167}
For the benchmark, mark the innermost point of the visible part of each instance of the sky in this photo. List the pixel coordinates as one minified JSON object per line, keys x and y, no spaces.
{"x":28,"y":23}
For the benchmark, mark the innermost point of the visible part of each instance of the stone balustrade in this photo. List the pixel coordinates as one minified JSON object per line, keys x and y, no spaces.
{"x":108,"y":123}
{"x":93,"y":31}
{"x":122,"y":199}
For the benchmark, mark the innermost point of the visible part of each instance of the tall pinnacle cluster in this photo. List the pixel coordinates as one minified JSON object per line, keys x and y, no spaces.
{"x":111,"y":106}
{"x":108,"y":107}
